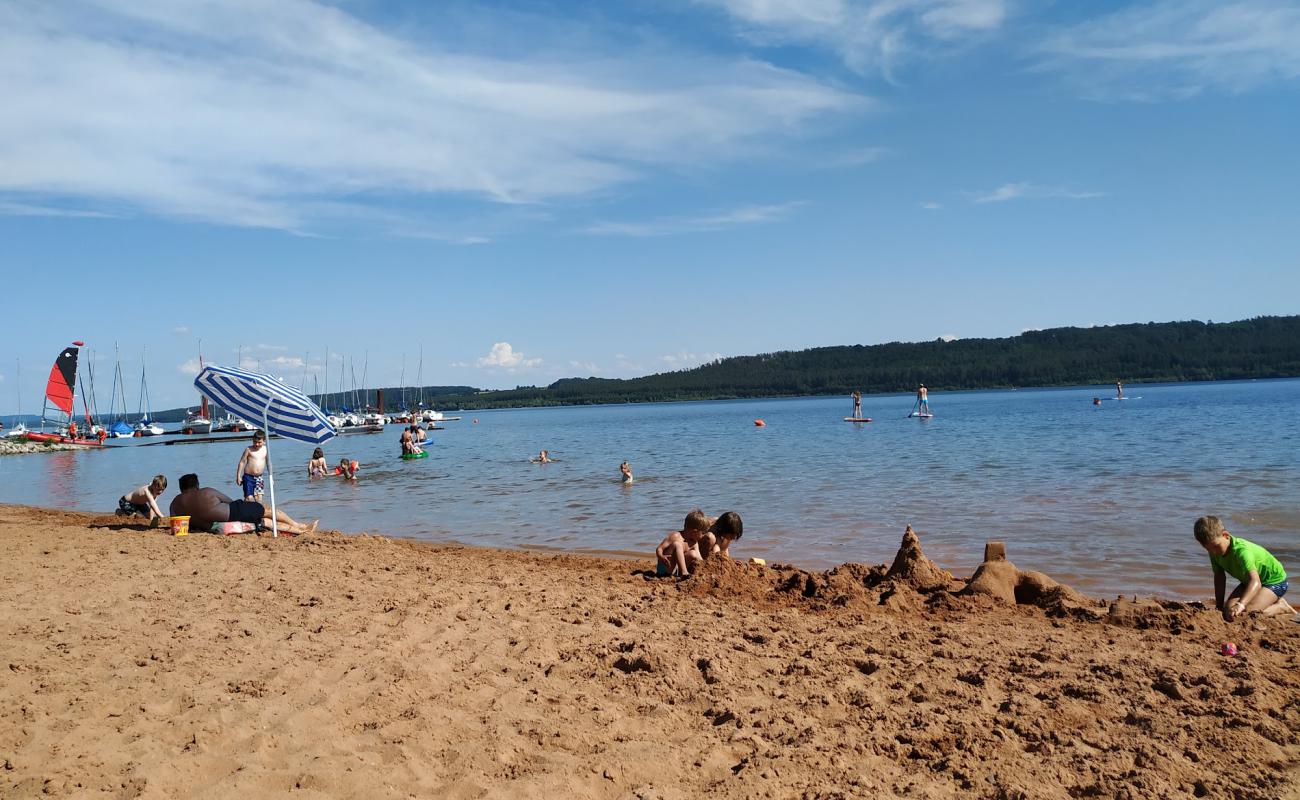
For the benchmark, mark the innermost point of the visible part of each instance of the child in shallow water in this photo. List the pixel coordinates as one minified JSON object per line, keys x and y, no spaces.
{"x":347,"y":470}
{"x":680,"y":550}
{"x":317,"y":467}
{"x":625,"y":469}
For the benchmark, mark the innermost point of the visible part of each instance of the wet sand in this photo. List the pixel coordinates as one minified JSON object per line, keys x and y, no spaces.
{"x":136,"y":664}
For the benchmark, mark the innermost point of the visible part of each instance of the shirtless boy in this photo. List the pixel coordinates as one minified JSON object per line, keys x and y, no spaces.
{"x":252,"y":466}
{"x":144,"y":500}
{"x":206,"y":506}
{"x":680,"y":550}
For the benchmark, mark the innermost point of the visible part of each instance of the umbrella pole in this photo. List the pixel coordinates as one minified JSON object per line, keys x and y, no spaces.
{"x":270,"y":474}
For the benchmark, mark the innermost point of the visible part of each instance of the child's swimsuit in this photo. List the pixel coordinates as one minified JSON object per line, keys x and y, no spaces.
{"x":128,"y":508}
{"x":253,"y":485}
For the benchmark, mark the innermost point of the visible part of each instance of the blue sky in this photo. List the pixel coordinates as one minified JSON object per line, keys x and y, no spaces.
{"x":527,"y":191}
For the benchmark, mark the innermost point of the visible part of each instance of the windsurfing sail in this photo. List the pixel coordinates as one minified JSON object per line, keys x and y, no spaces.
{"x":63,"y":380}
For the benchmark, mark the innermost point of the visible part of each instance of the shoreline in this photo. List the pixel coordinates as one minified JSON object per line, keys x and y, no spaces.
{"x":145,"y":665}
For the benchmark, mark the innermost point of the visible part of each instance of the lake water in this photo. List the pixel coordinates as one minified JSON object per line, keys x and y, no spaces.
{"x":1102,"y":497}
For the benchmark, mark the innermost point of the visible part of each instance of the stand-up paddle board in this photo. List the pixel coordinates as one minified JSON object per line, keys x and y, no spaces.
{"x":857,"y":419}
{"x":920,"y":416}
{"x":1139,"y":397}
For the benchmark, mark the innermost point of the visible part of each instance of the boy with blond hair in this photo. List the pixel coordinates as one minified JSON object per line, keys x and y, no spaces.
{"x":680,"y":550}
{"x":1263,"y":580}
{"x":144,"y":500}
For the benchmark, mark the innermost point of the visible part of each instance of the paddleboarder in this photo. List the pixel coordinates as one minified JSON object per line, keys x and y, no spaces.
{"x":1119,"y":390}
{"x":923,"y":399}
{"x":857,"y":404}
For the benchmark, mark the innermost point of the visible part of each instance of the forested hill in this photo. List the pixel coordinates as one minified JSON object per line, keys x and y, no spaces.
{"x":1265,"y":347}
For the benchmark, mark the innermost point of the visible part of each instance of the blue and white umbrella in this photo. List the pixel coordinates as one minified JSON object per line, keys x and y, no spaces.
{"x":283,"y":410}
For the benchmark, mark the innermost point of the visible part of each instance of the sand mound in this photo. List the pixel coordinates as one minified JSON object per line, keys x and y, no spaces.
{"x":913,"y":567}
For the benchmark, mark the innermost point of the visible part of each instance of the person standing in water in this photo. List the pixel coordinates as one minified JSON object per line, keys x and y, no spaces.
{"x":625,"y":469}
{"x":252,"y":466}
{"x":1119,"y":390}
{"x":857,"y":404}
{"x":923,"y":399}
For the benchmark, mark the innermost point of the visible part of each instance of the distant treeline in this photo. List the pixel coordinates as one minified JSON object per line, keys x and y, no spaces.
{"x":1264,"y":347}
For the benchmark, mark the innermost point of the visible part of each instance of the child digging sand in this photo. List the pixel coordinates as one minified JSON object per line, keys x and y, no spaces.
{"x":144,"y":501}
{"x":1263,"y":581}
{"x":724,"y":530}
{"x":680,"y":550}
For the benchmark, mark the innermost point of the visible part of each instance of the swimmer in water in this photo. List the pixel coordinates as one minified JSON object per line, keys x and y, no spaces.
{"x":625,"y":469}
{"x":543,"y":458}
{"x":317,"y":467}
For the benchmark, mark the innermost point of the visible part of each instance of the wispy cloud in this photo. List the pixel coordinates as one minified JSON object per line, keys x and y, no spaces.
{"x":1029,"y":191}
{"x":587,"y":367}
{"x":181,"y":330}
{"x":1178,"y":48}
{"x":948,"y":337}
{"x":867,"y":34}
{"x":502,"y":355}
{"x":703,"y":223}
{"x":206,"y":111}
{"x":930,"y":205}
{"x":189,"y":367}
{"x":28,"y":210}
{"x":684,"y":360}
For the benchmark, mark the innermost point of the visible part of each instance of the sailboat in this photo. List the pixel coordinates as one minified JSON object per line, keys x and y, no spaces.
{"x":19,"y":430}
{"x":60,"y":391}
{"x":118,"y":427}
{"x":146,"y":426}
{"x":198,"y":421}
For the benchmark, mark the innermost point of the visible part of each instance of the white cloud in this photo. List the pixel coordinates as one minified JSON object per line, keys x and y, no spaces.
{"x":181,"y":330}
{"x":587,"y":367}
{"x":866,"y":34}
{"x":705,"y":223}
{"x":949,"y":337}
{"x":504,"y":356}
{"x":684,"y":360}
{"x":1027,"y":191}
{"x":207,"y":111}
{"x":190,"y":367}
{"x":458,"y":364}
{"x":1177,"y":48}
{"x":930,"y":205}
{"x":30,"y":210}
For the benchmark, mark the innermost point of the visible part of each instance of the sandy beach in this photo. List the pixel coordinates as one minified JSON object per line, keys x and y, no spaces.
{"x":137,"y":664}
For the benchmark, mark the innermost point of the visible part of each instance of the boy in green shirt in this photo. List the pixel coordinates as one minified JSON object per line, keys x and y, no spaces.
{"x":1263,"y":581}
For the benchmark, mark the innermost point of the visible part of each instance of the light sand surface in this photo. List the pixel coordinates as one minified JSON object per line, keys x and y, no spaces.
{"x":137,"y":664}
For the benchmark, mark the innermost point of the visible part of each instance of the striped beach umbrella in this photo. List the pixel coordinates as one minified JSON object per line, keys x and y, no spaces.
{"x":283,"y":410}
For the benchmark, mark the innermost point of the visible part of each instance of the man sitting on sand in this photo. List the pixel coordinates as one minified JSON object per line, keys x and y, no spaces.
{"x":206,"y":506}
{"x":144,"y":500}
{"x":1263,"y":581}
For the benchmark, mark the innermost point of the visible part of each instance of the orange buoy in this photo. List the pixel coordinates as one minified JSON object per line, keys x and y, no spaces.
{"x":758,"y":423}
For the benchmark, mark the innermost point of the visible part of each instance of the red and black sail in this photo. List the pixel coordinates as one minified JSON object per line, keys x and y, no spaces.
{"x":63,"y":380}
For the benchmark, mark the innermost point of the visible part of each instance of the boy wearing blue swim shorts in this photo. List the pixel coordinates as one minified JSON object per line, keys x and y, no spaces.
{"x":1263,"y":580}
{"x":252,"y":466}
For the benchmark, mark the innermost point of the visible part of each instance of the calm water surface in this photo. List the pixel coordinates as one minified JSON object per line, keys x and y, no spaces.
{"x":1100,"y":497}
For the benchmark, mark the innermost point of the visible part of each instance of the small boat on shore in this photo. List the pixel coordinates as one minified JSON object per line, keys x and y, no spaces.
{"x":58,"y":438}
